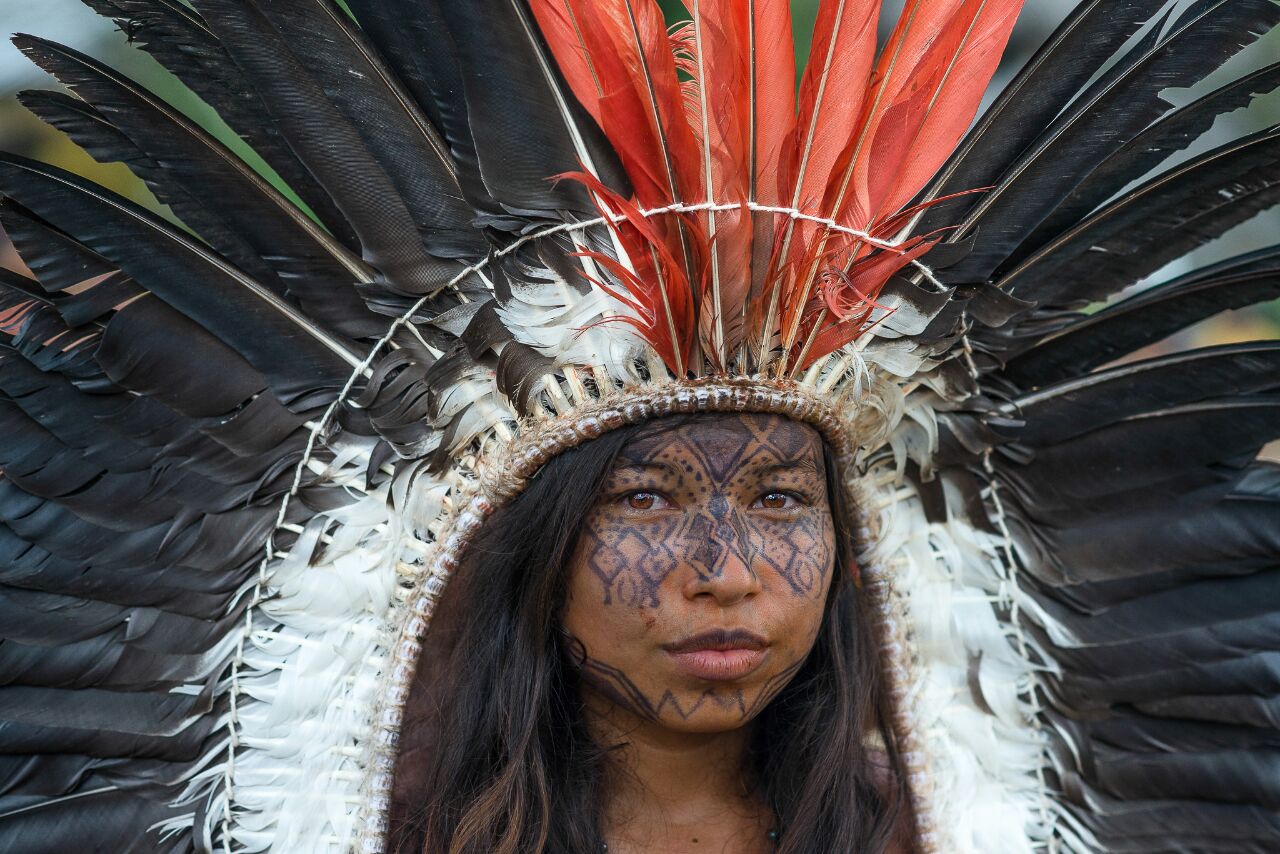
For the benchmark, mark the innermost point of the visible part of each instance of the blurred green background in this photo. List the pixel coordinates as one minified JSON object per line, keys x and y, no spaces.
{"x":70,"y":22}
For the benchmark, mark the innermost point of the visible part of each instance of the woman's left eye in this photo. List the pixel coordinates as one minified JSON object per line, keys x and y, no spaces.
{"x":776,"y":501}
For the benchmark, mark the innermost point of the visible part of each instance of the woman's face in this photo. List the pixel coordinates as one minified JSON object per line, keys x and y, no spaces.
{"x":698,"y":585}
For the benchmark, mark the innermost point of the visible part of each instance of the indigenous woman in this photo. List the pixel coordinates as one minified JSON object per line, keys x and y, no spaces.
{"x":659,"y":646}
{"x":534,"y":430}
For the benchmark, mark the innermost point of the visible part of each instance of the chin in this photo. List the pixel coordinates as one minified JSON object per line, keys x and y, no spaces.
{"x":709,"y":723}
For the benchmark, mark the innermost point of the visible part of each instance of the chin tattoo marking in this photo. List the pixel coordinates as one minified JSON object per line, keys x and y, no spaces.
{"x":633,"y":553}
{"x":614,"y":684}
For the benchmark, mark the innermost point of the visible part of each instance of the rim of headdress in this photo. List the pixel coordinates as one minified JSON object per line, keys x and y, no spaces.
{"x":504,"y":474}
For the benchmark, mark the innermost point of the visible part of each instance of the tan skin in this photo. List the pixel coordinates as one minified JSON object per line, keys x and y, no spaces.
{"x":721,"y":525}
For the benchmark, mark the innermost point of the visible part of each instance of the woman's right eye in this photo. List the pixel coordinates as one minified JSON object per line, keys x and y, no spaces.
{"x":645,"y":501}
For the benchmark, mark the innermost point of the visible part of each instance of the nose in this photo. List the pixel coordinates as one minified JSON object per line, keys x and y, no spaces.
{"x":723,"y":559}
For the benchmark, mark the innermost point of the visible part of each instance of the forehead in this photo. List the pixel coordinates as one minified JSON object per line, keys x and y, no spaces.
{"x":726,"y":444}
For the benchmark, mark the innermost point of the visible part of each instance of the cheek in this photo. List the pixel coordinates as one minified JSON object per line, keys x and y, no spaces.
{"x":628,"y":563}
{"x":615,"y":578}
{"x":800,"y":554}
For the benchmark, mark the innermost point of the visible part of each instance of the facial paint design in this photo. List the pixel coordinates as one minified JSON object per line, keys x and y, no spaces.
{"x":619,"y":688}
{"x":706,"y":476}
{"x":717,"y":524}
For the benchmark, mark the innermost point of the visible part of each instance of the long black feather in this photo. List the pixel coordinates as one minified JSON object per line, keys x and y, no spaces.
{"x":525,"y":122}
{"x":1150,"y":449}
{"x":399,"y":28}
{"x":106,"y":143}
{"x":334,"y":151}
{"x":1083,"y":342}
{"x":1077,"y":406}
{"x":294,"y":352}
{"x":396,"y":131}
{"x":186,"y":746}
{"x":179,"y":39}
{"x":247,"y":220}
{"x":1154,"y":224}
{"x":1170,"y":546}
{"x":1111,"y":112}
{"x":1147,"y":150}
{"x":56,"y":260}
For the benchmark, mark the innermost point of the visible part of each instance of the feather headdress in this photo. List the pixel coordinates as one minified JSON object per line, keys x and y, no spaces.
{"x":246,"y":441}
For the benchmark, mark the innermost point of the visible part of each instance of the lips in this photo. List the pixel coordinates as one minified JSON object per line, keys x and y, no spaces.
{"x":719,"y":655}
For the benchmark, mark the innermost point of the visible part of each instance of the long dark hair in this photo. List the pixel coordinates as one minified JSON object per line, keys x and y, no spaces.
{"x":495,"y":754}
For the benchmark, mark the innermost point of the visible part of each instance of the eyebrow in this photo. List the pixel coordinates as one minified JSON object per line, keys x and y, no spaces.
{"x":625,"y":464}
{"x":803,"y":464}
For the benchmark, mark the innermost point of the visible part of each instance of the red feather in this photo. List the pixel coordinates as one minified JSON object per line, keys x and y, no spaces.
{"x":563,"y":32}
{"x":847,"y":299}
{"x":947,"y":58}
{"x":831,"y":95}
{"x":775,"y":94}
{"x":860,"y":147}
{"x":656,"y":283}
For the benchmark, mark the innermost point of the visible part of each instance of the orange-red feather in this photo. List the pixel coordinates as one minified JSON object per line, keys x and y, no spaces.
{"x":860,"y":140}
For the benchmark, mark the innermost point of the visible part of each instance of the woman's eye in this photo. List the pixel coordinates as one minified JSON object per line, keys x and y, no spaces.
{"x":776,"y":501}
{"x":645,"y":501}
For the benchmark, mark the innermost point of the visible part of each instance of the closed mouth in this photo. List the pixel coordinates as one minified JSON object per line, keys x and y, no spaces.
{"x":718,"y":639}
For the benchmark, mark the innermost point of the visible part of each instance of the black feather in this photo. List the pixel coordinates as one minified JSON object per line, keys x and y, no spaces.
{"x":397,"y":133}
{"x":525,"y":122}
{"x":1161,"y":548}
{"x":1083,"y":342}
{"x":297,"y":355}
{"x":519,"y":369}
{"x":1147,"y":150}
{"x":1154,"y":224}
{"x":1077,"y":406}
{"x":399,"y":28}
{"x":80,"y":284}
{"x":247,"y":220}
{"x":1147,"y":450}
{"x":182,"y":42}
{"x":55,"y":259}
{"x":1123,"y":102}
{"x":333,"y":150}
{"x":106,"y":143}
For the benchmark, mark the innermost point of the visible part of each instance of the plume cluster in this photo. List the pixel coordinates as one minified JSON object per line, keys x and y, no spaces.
{"x":706,"y":116}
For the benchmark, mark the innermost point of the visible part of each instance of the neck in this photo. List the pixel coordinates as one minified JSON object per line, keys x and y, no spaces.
{"x":682,"y":782}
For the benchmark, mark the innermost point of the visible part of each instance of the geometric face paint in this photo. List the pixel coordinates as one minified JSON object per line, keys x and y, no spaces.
{"x":698,"y":584}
